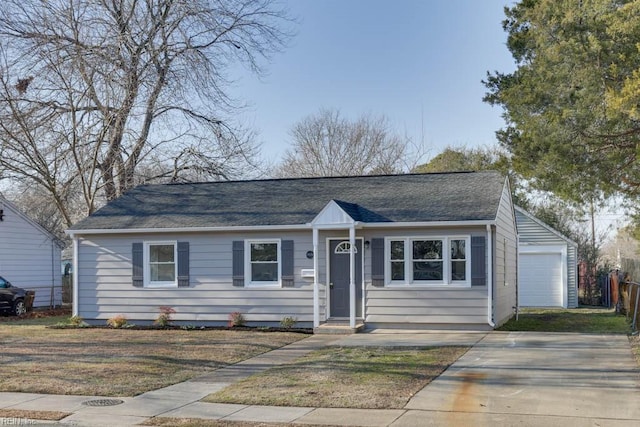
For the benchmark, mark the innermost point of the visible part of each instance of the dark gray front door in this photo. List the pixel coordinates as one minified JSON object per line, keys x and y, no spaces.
{"x":339,"y":278}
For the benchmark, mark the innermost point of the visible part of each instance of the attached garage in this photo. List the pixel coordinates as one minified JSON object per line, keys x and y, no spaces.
{"x":547,"y":265}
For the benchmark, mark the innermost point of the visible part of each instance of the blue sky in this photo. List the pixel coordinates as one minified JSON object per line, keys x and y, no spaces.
{"x":419,"y":62}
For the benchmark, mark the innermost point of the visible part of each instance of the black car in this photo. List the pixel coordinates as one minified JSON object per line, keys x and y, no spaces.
{"x":12,"y":298}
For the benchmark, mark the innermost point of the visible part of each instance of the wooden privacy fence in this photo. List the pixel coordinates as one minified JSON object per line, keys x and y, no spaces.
{"x":634,"y":302}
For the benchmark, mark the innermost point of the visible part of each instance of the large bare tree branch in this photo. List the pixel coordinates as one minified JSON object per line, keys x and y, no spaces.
{"x":95,"y":91}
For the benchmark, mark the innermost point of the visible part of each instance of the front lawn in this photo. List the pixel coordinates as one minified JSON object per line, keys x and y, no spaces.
{"x":119,"y":362}
{"x":344,"y":377}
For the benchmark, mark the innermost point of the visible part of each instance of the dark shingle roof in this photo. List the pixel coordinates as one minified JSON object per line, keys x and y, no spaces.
{"x":461,"y":196}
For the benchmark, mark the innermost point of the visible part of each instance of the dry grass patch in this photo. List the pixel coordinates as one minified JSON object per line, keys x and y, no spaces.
{"x":20,"y":417}
{"x":114,"y":362}
{"x":344,"y":377}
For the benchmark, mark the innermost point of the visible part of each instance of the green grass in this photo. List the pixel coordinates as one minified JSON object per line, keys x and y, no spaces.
{"x":38,"y":321}
{"x":344,"y":377}
{"x":580,"y":320}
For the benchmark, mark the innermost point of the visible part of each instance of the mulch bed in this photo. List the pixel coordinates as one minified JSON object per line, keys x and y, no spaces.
{"x":134,"y":327}
{"x":64,"y":311}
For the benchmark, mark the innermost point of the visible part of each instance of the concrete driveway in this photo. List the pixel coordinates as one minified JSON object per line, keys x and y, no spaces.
{"x":531,"y":379}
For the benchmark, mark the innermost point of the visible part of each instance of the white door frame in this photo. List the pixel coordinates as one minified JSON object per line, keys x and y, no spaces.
{"x":328,"y":272}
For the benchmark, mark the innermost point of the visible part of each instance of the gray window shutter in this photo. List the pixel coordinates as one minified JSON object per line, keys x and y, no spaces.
{"x":238,"y":263}
{"x":377,"y":262}
{"x":478,"y":261}
{"x":287,"y":263}
{"x":137,"y":260}
{"x":183,"y":264}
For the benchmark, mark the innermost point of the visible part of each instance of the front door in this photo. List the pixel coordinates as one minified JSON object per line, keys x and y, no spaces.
{"x":339,"y":278}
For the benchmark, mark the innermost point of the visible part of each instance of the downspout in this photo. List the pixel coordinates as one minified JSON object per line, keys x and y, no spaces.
{"x":352,"y":277}
{"x":517,"y":277}
{"x":53,"y":280}
{"x":316,"y":291}
{"x":490,"y":277}
{"x":75,"y":276}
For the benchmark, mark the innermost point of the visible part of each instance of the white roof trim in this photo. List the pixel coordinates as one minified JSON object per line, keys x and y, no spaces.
{"x":332,"y":215}
{"x":544,"y":225}
{"x":73,"y":233}
{"x":295,"y":227}
{"x":472,"y":223}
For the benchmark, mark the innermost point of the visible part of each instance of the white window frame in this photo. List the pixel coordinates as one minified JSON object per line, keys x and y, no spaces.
{"x":247,"y":264}
{"x":147,"y":282}
{"x":467,"y":260}
{"x":446,"y":262}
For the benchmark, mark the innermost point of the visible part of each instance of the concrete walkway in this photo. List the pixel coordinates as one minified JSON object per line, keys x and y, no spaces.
{"x":524,"y":379}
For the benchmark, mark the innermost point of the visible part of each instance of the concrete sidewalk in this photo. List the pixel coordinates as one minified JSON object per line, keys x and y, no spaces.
{"x":524,"y":379}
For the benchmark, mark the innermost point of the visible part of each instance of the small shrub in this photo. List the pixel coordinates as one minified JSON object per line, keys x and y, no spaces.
{"x":165,"y":317}
{"x":288,"y":322}
{"x":188,"y":327}
{"x":119,"y":321}
{"x":73,"y":321}
{"x":236,"y":319}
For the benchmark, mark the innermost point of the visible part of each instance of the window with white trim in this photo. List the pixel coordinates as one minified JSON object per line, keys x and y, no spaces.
{"x":397,"y":260}
{"x":428,"y":260}
{"x":263,"y":263}
{"x":459,"y":270}
{"x":160,"y":264}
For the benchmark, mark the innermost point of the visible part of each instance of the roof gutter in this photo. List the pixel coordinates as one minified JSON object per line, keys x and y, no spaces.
{"x":73,"y":233}
{"x":291,"y":227}
{"x":471,"y":223}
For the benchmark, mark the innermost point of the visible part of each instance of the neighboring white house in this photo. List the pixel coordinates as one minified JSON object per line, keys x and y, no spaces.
{"x":29,"y":255}
{"x":547,"y":264}
{"x":399,"y":251}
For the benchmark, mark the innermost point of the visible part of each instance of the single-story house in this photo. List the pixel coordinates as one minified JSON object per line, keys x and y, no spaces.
{"x":547,"y":263}
{"x":29,"y":255}
{"x":413,"y":251}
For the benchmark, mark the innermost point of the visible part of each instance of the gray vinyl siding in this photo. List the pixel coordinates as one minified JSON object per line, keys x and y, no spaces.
{"x":424,"y":305}
{"x":105,"y":287}
{"x":532,"y":233}
{"x":29,"y":257}
{"x":505,"y":247}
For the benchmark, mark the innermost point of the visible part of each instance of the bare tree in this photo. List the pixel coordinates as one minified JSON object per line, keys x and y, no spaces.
{"x":327,"y":144}
{"x":90,"y":90}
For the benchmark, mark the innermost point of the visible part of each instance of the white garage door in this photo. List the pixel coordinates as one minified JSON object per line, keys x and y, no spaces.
{"x":540,"y":280}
